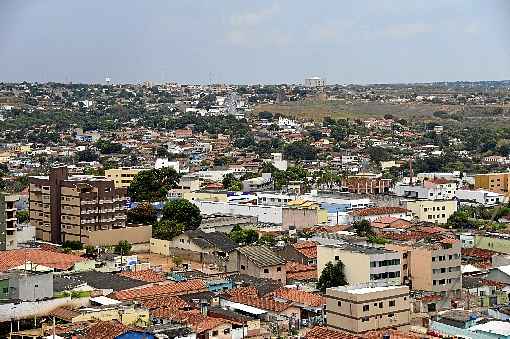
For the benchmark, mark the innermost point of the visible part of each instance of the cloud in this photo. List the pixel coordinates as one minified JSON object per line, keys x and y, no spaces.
{"x":400,"y":31}
{"x":254,"y":18}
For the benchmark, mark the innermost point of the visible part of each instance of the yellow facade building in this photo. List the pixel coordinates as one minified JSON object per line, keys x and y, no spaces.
{"x":494,"y":182}
{"x":436,"y":211}
{"x":123,"y":176}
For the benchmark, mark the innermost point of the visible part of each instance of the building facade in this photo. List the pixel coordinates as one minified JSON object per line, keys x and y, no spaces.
{"x":8,"y":222}
{"x":361,"y":309}
{"x":122,"y":176}
{"x":436,"y":211}
{"x":64,"y":207}
{"x":494,"y":182}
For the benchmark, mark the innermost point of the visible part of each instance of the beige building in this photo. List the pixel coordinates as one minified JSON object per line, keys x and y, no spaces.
{"x":436,"y":211}
{"x":432,"y":267}
{"x":494,"y":182}
{"x":362,"y":264}
{"x":204,"y":195}
{"x":258,"y":262}
{"x":64,"y":207}
{"x":123,"y":176}
{"x":361,"y":309}
{"x":8,"y":222}
{"x":187,"y":184}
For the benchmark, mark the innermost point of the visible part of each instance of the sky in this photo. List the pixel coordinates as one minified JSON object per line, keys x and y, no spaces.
{"x":252,"y":42}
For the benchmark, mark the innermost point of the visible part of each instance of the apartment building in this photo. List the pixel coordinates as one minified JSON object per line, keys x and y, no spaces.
{"x":64,"y":207}
{"x":437,"y":189}
{"x":8,"y":222}
{"x":436,"y":211}
{"x":122,"y":176}
{"x":494,"y":182}
{"x":358,"y":309}
{"x":362,"y":264}
{"x":432,"y":267}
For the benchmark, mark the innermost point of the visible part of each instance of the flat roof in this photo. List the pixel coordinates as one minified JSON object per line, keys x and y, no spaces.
{"x":365,"y":290}
{"x":360,"y":248}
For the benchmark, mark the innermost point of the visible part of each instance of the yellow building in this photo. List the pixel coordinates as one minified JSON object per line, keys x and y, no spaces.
{"x":436,"y":211}
{"x":123,"y":176}
{"x":494,"y":182}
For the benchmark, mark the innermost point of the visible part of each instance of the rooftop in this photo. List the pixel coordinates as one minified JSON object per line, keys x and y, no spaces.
{"x":261,"y":256}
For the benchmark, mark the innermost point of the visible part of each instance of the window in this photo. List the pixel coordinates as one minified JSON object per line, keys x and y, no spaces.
{"x":380,"y":305}
{"x":339,"y":303}
{"x":364,"y":319}
{"x":366,"y":308}
{"x":337,"y":257}
{"x":266,"y":270}
{"x":391,"y":315}
{"x":226,"y":331}
{"x":214,"y":333}
{"x":392,"y":303}
{"x":278,"y":269}
{"x":242,"y":267}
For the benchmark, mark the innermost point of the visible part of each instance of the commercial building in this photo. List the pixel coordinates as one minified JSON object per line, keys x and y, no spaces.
{"x":494,"y":182}
{"x":366,"y":185}
{"x":64,"y":207}
{"x":362,"y":264}
{"x":436,"y":211}
{"x":8,"y":222}
{"x":123,"y":176}
{"x":358,"y":309}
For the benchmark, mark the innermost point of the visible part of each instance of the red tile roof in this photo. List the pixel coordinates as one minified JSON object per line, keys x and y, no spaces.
{"x":105,"y":330}
{"x":319,"y":332}
{"x":196,"y":285}
{"x":267,"y":304}
{"x":249,"y":290}
{"x":478,"y":253}
{"x":164,"y":301}
{"x":307,"y":248}
{"x":145,"y":275}
{"x":52,"y":259}
{"x":432,"y":229}
{"x":327,"y":229}
{"x":389,"y":221}
{"x":378,"y":211}
{"x":299,"y":272}
{"x":300,"y":297}
{"x":198,"y":321}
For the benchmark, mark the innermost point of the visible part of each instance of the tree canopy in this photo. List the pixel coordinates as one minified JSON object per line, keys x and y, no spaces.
{"x":332,"y":276}
{"x":243,"y":236}
{"x":144,"y":213}
{"x":182,"y":211}
{"x":363,"y":228}
{"x":153,"y":185}
{"x":166,"y":229}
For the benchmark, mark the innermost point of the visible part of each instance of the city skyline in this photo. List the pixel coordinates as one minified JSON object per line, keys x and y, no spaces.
{"x":267,"y":42}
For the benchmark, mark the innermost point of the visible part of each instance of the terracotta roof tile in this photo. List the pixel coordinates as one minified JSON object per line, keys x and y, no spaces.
{"x":196,"y":285}
{"x":199,"y":322}
{"x":64,"y":313}
{"x":307,"y":248}
{"x":302,"y":276}
{"x":105,"y":330}
{"x":52,"y":259}
{"x":268,"y":304}
{"x":478,"y":253}
{"x":319,"y":332}
{"x":145,"y":275}
{"x":249,"y":290}
{"x":164,"y":301}
{"x":300,"y":297}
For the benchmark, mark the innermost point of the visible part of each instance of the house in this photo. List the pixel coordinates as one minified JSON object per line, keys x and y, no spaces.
{"x":304,"y":252}
{"x":166,"y":288}
{"x":479,"y":197}
{"x":213,"y":243}
{"x":500,"y":274}
{"x":113,"y":329}
{"x":26,"y":285}
{"x":257,"y":261}
{"x":387,"y":223}
{"x":435,"y":189}
{"x":258,"y":184}
{"x":311,"y":305}
{"x":300,"y":214}
{"x":37,"y":259}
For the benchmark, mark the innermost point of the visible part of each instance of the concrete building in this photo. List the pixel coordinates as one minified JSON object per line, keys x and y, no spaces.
{"x":436,"y":211}
{"x":366,"y":185}
{"x":161,"y":163}
{"x":299,"y":214}
{"x":264,"y":214}
{"x":358,"y":309}
{"x":26,"y":286}
{"x":64,"y":207}
{"x":263,"y":183}
{"x":432,"y":267}
{"x":362,"y":264}
{"x":122,"y":176}
{"x":258,"y":262}
{"x":438,"y":189}
{"x":315,"y":82}
{"x":8,"y":222}
{"x":494,"y":182}
{"x":479,"y":197}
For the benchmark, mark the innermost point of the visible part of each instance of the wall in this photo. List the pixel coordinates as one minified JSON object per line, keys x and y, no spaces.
{"x":456,"y":332}
{"x":159,"y":246}
{"x":299,"y":217}
{"x":265,"y":214}
{"x":494,"y":243}
{"x":31,"y":286}
{"x":134,"y":235}
{"x":31,"y":309}
{"x":356,"y":265}
{"x":437,"y":211}
{"x":237,"y":261}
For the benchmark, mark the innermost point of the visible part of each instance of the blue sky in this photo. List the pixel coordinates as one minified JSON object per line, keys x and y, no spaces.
{"x":263,"y":41}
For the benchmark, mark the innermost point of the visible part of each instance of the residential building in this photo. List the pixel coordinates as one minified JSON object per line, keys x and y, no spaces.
{"x":26,"y":285}
{"x":358,"y":309}
{"x":479,"y":197}
{"x":436,"y":189}
{"x":263,"y":183}
{"x":161,"y":163}
{"x":64,"y":207}
{"x":187,"y":183}
{"x":299,"y":214}
{"x":8,"y":222}
{"x":433,"y":266}
{"x":436,"y":211}
{"x":257,"y":261}
{"x":494,"y":182}
{"x":122,"y":176}
{"x":362,"y":264}
{"x":375,"y":213}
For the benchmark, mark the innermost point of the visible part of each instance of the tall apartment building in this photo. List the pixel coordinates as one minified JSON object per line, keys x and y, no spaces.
{"x":494,"y":182}
{"x":8,"y":222}
{"x":358,"y":309}
{"x":432,"y":267}
{"x":64,"y":207}
{"x":362,"y":264}
{"x":122,"y":176}
{"x":436,"y":211}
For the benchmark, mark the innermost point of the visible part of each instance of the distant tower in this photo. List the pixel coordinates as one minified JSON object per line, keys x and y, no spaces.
{"x":107,"y":80}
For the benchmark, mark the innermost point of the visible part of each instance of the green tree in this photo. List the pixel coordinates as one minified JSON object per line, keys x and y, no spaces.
{"x":183,"y":212}
{"x":460,"y":219}
{"x":166,"y":229}
{"x":363,"y":228}
{"x":144,"y":213}
{"x":332,"y":276}
{"x":300,"y":150}
{"x":123,"y":247}
{"x":108,"y":147}
{"x":87,"y":155}
{"x":231,"y":183}
{"x":23,"y":216}
{"x":243,"y":236}
{"x":153,"y":185}
{"x":73,"y":245}
{"x":267,"y":240}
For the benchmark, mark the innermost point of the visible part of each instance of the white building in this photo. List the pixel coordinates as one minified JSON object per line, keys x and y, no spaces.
{"x":437,"y":189}
{"x":161,"y":163}
{"x":479,"y":197}
{"x":264,"y":214}
{"x":315,"y":82}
